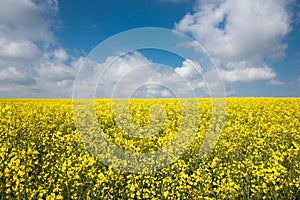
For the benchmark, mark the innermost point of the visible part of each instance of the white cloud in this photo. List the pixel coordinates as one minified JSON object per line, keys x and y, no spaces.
{"x":239,"y":35}
{"x":60,"y":54}
{"x":22,"y":49}
{"x":247,"y":74}
{"x":51,"y":71}
{"x":105,"y":76}
{"x":165,"y":93}
{"x":230,"y":93}
{"x":246,"y":71}
{"x":276,"y":82}
{"x":23,"y":19}
{"x":11,"y":75}
{"x":135,"y":75}
{"x":188,"y":68}
{"x":237,"y":30}
{"x":124,"y":64}
{"x":31,"y":63}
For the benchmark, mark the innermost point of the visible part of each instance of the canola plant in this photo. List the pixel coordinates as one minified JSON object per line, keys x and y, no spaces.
{"x":256,"y":155}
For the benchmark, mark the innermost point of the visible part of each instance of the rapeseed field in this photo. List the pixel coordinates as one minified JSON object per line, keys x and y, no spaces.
{"x":256,"y":155}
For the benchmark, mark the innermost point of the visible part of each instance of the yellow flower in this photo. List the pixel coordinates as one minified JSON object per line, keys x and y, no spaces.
{"x":43,"y":154}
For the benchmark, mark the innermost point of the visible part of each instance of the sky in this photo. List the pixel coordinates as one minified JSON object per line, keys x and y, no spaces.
{"x":46,"y":44}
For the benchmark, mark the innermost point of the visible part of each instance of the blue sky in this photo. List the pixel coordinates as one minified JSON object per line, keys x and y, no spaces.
{"x":254,"y":44}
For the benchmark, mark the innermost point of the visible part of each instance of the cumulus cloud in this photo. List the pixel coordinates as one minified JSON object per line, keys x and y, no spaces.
{"x":246,"y":71}
{"x":188,"y":68}
{"x":10,"y":75}
{"x":24,"y":20}
{"x":60,"y":54}
{"x":236,"y":30}
{"x":23,"y":49}
{"x":55,"y":71}
{"x":239,"y":35}
{"x":248,"y":74}
{"x":31,"y":63}
{"x":133,"y":75}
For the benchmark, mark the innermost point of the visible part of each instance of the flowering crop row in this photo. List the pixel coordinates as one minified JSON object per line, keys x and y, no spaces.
{"x":42,"y":154}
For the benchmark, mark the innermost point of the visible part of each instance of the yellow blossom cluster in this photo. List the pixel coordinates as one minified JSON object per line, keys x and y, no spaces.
{"x":256,"y":156}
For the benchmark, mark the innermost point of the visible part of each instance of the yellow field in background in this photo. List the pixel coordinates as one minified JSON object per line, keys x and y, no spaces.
{"x":256,"y":156}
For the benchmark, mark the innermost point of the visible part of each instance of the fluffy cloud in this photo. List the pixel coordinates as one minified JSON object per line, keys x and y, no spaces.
{"x":239,"y":35}
{"x":248,"y":74}
{"x":236,"y":30}
{"x":188,"y":68}
{"x":22,"y":49}
{"x":246,"y":71}
{"x":31,"y":63}
{"x":135,"y":75}
{"x":24,"y":19}
{"x":10,"y":75}
{"x":61,"y":54}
